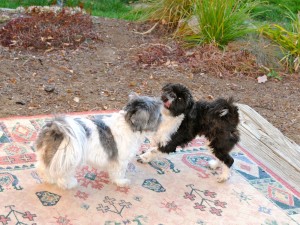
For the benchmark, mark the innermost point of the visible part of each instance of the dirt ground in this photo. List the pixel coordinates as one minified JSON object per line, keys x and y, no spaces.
{"x":99,"y":76}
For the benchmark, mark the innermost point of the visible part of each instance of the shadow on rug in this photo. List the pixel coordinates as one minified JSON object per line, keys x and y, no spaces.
{"x":179,"y":189}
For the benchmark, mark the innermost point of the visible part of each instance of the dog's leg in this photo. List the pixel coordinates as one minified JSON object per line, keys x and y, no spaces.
{"x":225,"y":174}
{"x":214,"y":164}
{"x":117,"y":174}
{"x":67,"y":182}
{"x":226,"y":162}
{"x":43,"y":172}
{"x":149,"y":155}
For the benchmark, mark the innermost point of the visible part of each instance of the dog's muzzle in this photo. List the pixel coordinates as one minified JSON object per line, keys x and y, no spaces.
{"x":166,"y":101}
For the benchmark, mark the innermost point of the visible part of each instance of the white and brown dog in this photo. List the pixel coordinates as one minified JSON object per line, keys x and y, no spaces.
{"x":66,"y":143}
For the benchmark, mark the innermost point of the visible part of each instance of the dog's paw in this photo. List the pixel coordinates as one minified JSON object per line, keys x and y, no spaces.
{"x":224,"y":175}
{"x":142,"y":159}
{"x":48,"y":180}
{"x":122,"y":182}
{"x":67,"y":183}
{"x":222,"y":178}
{"x":142,"y":152}
{"x":147,"y":156}
{"x":213,"y":164}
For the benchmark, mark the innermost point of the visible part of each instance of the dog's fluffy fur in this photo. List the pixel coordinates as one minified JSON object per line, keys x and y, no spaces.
{"x":66,"y":143}
{"x":184,"y":119}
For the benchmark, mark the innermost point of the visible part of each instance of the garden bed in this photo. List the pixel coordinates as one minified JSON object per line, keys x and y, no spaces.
{"x":98,"y":75}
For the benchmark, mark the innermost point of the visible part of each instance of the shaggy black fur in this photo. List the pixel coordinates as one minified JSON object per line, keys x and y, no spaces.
{"x":217,"y":120}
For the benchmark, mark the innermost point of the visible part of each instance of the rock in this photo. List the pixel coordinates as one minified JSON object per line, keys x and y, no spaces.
{"x":21,"y":102}
{"x":4,"y":18}
{"x":49,"y":88}
{"x":191,"y":24}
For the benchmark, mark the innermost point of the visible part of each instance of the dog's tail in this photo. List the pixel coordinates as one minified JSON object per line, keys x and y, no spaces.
{"x":224,"y":107}
{"x":228,"y":113}
{"x":60,"y":146}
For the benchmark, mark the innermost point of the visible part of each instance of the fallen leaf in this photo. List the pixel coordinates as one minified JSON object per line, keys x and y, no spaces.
{"x":105,"y":93}
{"x":13,"y":80}
{"x":262,"y":79}
{"x":132,"y":84}
{"x":76,"y":99}
{"x":210,"y":97}
{"x":49,"y":50}
{"x":168,"y":62}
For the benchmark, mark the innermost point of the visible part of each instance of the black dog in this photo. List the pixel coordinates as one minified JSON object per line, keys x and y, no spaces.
{"x":184,"y":119}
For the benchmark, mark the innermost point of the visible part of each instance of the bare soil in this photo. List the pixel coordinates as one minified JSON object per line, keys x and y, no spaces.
{"x":100,"y":75}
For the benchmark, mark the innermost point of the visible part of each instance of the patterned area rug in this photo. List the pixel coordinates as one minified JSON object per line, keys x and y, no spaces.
{"x":178,"y":189}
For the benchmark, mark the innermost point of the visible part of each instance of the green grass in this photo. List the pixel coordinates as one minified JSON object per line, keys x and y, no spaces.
{"x":275,"y":10}
{"x":16,"y":3}
{"x":103,"y":8}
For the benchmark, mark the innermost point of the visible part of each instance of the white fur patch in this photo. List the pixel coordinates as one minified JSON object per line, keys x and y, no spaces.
{"x":225,"y":174}
{"x":150,"y":155}
{"x":213,"y":164}
{"x":223,"y":112}
{"x":168,"y":126}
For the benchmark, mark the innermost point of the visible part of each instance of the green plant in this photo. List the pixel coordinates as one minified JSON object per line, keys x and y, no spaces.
{"x":104,"y":8}
{"x":274,"y":10}
{"x":274,"y":74}
{"x":221,"y":21}
{"x":168,"y":12}
{"x":288,"y":40}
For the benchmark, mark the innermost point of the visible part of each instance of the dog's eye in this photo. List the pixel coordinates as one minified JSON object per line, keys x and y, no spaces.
{"x":172,"y":95}
{"x":179,"y":99}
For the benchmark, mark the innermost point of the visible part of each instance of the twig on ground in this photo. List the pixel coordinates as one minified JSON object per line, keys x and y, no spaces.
{"x":148,"y":31}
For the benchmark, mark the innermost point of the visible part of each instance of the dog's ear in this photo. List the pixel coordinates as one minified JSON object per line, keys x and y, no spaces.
{"x":133,"y":95}
{"x":139,"y":120}
{"x":166,"y":86}
{"x":193,"y":112}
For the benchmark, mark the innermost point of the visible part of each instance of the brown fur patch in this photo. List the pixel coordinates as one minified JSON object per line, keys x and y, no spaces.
{"x":49,"y":141}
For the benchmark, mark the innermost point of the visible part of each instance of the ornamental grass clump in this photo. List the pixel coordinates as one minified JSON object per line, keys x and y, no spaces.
{"x":287,"y":39}
{"x":219,"y":22}
{"x":167,"y":12}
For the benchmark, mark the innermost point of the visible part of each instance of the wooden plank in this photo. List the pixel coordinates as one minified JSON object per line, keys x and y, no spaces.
{"x":270,"y":146}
